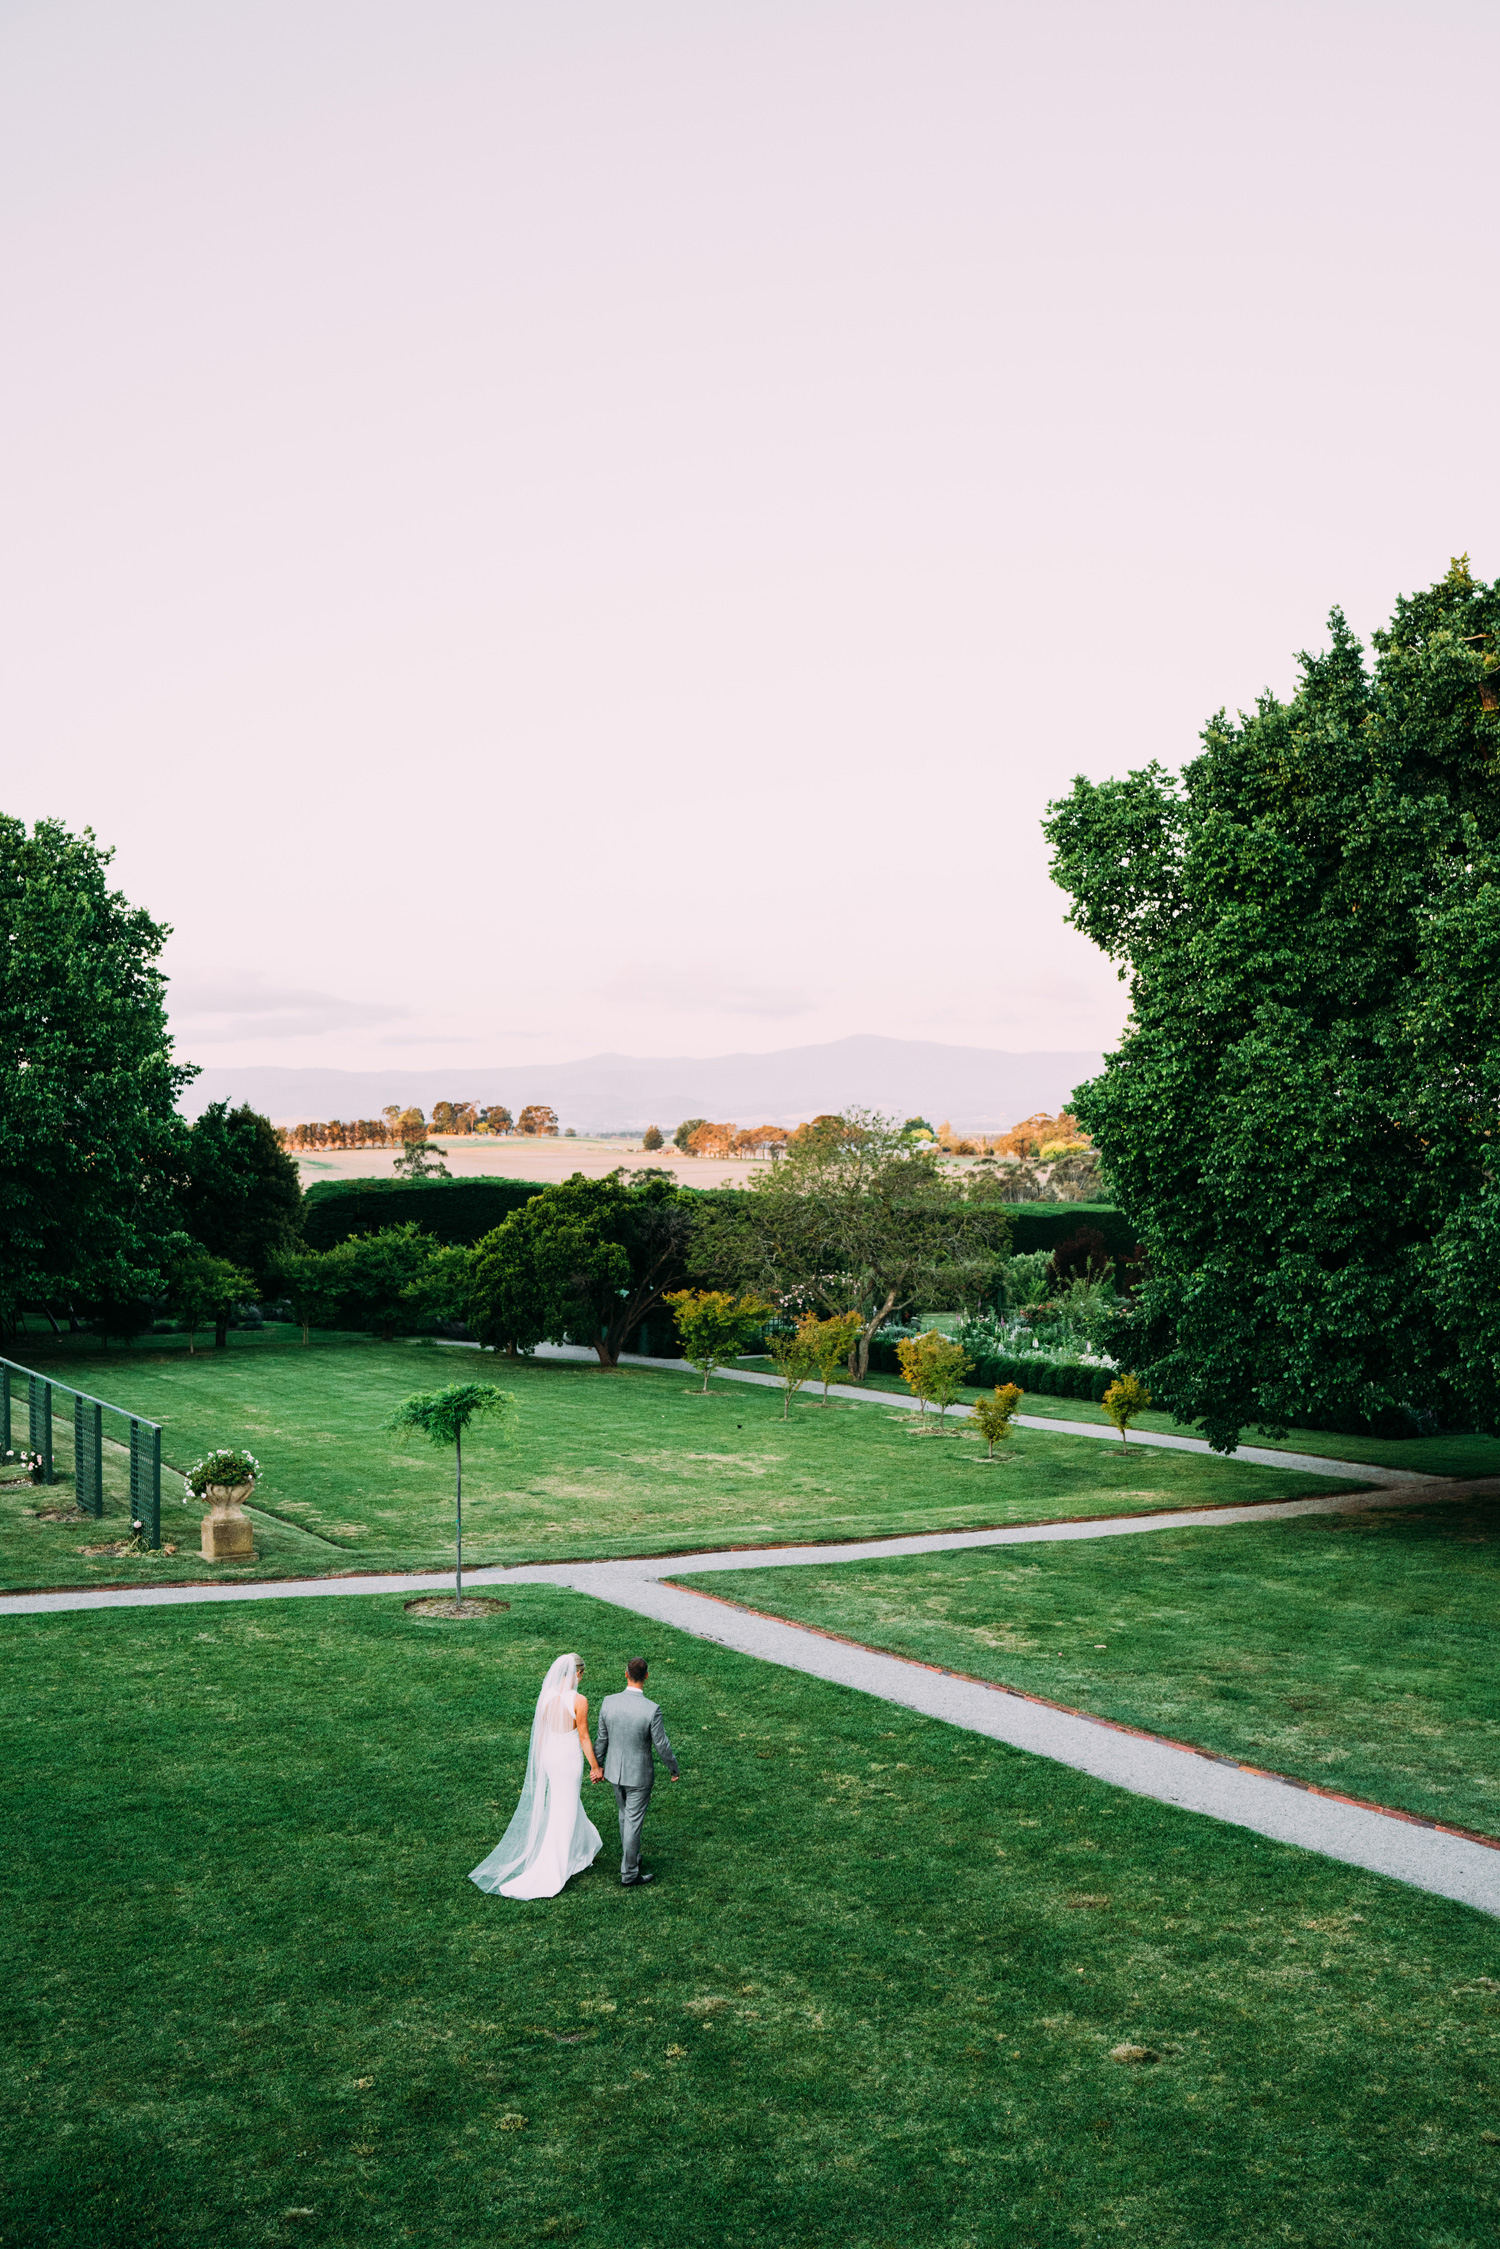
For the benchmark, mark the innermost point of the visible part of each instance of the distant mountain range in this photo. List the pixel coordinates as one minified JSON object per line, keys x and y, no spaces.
{"x":978,"y":1089}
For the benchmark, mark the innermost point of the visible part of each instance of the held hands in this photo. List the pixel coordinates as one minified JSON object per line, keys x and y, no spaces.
{"x":597,"y":1773}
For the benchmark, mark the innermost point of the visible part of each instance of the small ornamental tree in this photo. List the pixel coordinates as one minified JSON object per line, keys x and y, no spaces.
{"x":383,"y":1276}
{"x":950,"y":1363}
{"x":313,"y":1282}
{"x":651,"y":1139}
{"x":442,"y":1416}
{"x":202,"y":1289}
{"x":933,"y":1367}
{"x":1123,"y":1401}
{"x":715,"y":1326}
{"x":994,"y":1414}
{"x":791,"y":1354}
{"x":831,"y":1341}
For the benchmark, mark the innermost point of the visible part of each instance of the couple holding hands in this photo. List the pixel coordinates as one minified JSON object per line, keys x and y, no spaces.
{"x":551,"y":1837}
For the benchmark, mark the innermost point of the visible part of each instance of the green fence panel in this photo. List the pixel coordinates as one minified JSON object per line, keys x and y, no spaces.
{"x":145,"y":1478}
{"x":88,"y":1454}
{"x":39,"y":1420}
{"x":88,"y":1444}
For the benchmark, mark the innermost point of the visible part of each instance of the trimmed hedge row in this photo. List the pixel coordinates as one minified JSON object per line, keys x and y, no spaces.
{"x":1035,"y":1226}
{"x":459,"y":1211}
{"x":1047,"y":1377}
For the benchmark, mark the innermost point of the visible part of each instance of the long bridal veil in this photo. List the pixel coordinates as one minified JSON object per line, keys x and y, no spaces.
{"x":518,"y":1846}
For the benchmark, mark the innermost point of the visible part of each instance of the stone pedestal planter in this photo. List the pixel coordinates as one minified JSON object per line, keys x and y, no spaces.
{"x":228,"y":1533}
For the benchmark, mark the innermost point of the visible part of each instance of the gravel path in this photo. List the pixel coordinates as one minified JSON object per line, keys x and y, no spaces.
{"x":1387,"y":1843}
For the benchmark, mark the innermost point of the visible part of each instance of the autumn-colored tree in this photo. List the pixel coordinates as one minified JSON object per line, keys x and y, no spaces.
{"x":682,"y":1137}
{"x":712,"y":1140}
{"x":497,"y":1118}
{"x":934,"y":1369}
{"x":791,"y":1354}
{"x":444,"y":1117}
{"x":994,"y":1414}
{"x":651,"y":1139}
{"x":831,"y":1342}
{"x":715,"y":1326}
{"x":1123,"y":1401}
{"x":538,"y":1120}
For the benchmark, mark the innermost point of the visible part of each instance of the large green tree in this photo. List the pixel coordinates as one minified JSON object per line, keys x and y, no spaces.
{"x":857,"y":1213}
{"x":1303,"y":1117}
{"x":91,"y":1145}
{"x":586,"y":1259}
{"x":242,"y":1198}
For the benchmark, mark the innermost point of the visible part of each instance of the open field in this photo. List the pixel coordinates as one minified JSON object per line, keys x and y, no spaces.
{"x":1360,"y":1652}
{"x":625,"y":1462}
{"x":870,"y":2002}
{"x":520,"y":1156}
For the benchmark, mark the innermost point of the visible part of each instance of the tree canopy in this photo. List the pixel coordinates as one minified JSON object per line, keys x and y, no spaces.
{"x":91,"y":1145}
{"x":586,"y":1259}
{"x":242,"y":1198}
{"x":1303,"y":1117}
{"x":857,"y":1213}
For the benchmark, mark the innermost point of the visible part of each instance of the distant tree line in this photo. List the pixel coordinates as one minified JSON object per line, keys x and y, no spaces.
{"x":395,"y":1126}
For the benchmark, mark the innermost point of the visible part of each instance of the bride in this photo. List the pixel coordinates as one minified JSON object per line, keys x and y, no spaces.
{"x":551,"y":1838}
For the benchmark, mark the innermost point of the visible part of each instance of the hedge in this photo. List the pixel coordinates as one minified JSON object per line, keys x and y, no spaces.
{"x":1048,"y":1377}
{"x":450,"y":1210}
{"x":1035,"y":1226}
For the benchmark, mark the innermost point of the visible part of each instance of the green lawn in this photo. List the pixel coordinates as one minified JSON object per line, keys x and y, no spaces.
{"x":870,"y":2002}
{"x":1425,"y":1456}
{"x":629,"y":1462}
{"x":1358,"y":1651}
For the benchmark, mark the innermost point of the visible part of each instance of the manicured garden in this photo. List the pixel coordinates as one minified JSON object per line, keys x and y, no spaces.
{"x":1455,"y":1454}
{"x":1358,"y":1651}
{"x":873,"y":1998}
{"x":628,"y":1461}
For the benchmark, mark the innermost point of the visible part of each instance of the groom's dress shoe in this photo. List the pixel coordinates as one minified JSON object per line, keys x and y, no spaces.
{"x":640,"y":1878}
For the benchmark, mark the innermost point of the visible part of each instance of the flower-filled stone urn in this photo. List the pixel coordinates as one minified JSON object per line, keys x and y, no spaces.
{"x":226,"y":1479}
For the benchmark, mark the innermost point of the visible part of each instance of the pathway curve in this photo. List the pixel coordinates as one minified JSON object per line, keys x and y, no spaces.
{"x":1389,"y":1843}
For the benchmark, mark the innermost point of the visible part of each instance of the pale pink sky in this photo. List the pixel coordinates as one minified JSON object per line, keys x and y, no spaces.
{"x":543,"y":528}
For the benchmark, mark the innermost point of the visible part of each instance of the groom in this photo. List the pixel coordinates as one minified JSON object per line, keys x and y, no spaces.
{"x":629,"y":1725}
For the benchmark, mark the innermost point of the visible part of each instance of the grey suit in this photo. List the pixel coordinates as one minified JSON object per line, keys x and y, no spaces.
{"x":630,"y":1728}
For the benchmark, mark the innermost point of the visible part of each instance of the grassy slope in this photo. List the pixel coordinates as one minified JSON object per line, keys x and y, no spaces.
{"x":251,"y":1998}
{"x":598,"y":1463}
{"x":1357,"y":1651}
{"x":1425,"y":1456}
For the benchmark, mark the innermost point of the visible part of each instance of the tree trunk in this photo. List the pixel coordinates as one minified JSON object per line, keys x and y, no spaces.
{"x":221,"y":1332}
{"x":859,"y":1357}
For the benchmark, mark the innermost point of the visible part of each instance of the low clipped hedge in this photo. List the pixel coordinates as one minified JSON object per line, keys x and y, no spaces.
{"x":1050,"y":1378}
{"x":458,"y":1211}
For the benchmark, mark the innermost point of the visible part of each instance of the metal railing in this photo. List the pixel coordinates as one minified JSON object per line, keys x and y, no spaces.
{"x":88,"y":1444}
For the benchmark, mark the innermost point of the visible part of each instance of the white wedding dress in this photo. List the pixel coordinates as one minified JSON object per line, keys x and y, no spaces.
{"x":551,"y":1837}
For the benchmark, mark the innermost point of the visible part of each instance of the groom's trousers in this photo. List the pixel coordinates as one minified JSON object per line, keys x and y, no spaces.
{"x":632,"y":1803}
